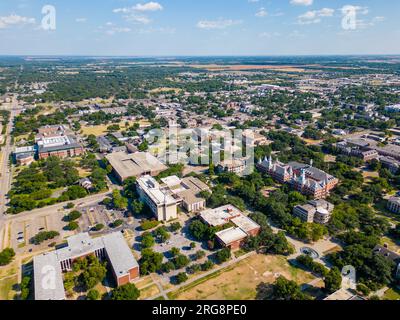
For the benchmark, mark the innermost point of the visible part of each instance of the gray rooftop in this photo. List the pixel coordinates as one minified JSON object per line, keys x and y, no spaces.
{"x":48,"y":279}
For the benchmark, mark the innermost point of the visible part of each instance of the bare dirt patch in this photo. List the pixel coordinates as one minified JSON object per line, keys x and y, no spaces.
{"x":240,"y":281}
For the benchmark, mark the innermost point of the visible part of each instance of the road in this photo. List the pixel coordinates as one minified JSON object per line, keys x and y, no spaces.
{"x":5,"y":168}
{"x":88,"y":201}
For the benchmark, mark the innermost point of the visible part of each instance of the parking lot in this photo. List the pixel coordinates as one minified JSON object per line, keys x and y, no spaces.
{"x":23,"y":230}
{"x":98,"y":214}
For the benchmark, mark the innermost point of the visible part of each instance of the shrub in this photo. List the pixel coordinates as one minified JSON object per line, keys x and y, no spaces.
{"x":72,"y":226}
{"x":98,"y":227}
{"x":117,"y":223}
{"x":43,"y":236}
{"x":181,"y":277}
{"x":93,"y":295}
{"x":6,"y":256}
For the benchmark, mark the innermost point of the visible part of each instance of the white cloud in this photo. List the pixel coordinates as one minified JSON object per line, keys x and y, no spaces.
{"x":80,"y":20}
{"x":138,"y":19}
{"x":217,"y":24}
{"x":149,"y":6}
{"x":302,"y":2}
{"x":314,"y":16}
{"x":253,"y":1}
{"x":135,"y":14}
{"x":115,"y":30}
{"x":261,"y":13}
{"x":269,"y":35}
{"x":15,"y":20}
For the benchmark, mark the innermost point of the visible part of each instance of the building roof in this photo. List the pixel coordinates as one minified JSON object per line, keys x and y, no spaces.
{"x":79,"y":245}
{"x":220,"y":216}
{"x":231,"y":235}
{"x":45,"y":266}
{"x":194,"y":184}
{"x":119,"y":254}
{"x":29,"y":149}
{"x":171,"y":181}
{"x":245,"y":223}
{"x":134,"y":164}
{"x":154,"y":191}
{"x":189,"y":197}
{"x":55,"y":143}
{"x":383,"y":251}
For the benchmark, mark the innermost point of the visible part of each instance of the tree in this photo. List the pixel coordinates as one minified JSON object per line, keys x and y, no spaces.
{"x":162,"y":234}
{"x":72,"y":226}
{"x":174,"y":251}
{"x":117,"y":223}
{"x":25,"y":287}
{"x":175,"y":226}
{"x":150,"y":261}
{"x":119,"y":201}
{"x":181,"y":277}
{"x":181,"y":261}
{"x":94,"y":273}
{"x":125,"y":292}
{"x":199,"y":230}
{"x":208,"y":265}
{"x":74,"y":215}
{"x":223,"y":255}
{"x":284,"y":289}
{"x":44,"y":236}
{"x":333,"y":280}
{"x":168,"y":267}
{"x":147,"y":240}
{"x":6,"y":256}
{"x":70,"y":205}
{"x":98,"y":227}
{"x":93,"y":295}
{"x":200,"y":254}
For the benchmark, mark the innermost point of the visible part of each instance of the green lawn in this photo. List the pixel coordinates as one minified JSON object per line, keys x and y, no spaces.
{"x":392,"y":294}
{"x":6,"y":287}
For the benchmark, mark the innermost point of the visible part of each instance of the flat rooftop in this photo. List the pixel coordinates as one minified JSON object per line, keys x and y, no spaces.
{"x":231,"y":235}
{"x":46,"y":265}
{"x":194,"y":184}
{"x":153,"y":189}
{"x":117,"y":250}
{"x":220,"y":216}
{"x":134,"y":164}
{"x":245,"y":223}
{"x":119,"y":254}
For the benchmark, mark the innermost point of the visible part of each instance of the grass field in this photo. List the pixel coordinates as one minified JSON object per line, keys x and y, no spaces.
{"x":240,"y":281}
{"x":6,"y":287}
{"x":102,"y":129}
{"x":392,"y":294}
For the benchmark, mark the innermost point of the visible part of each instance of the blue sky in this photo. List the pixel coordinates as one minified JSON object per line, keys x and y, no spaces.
{"x":201,"y":27}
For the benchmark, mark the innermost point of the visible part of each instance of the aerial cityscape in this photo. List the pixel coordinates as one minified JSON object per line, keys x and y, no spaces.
{"x":255,"y":165}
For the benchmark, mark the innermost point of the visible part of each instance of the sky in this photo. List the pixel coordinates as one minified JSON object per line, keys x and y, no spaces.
{"x":199,"y":27}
